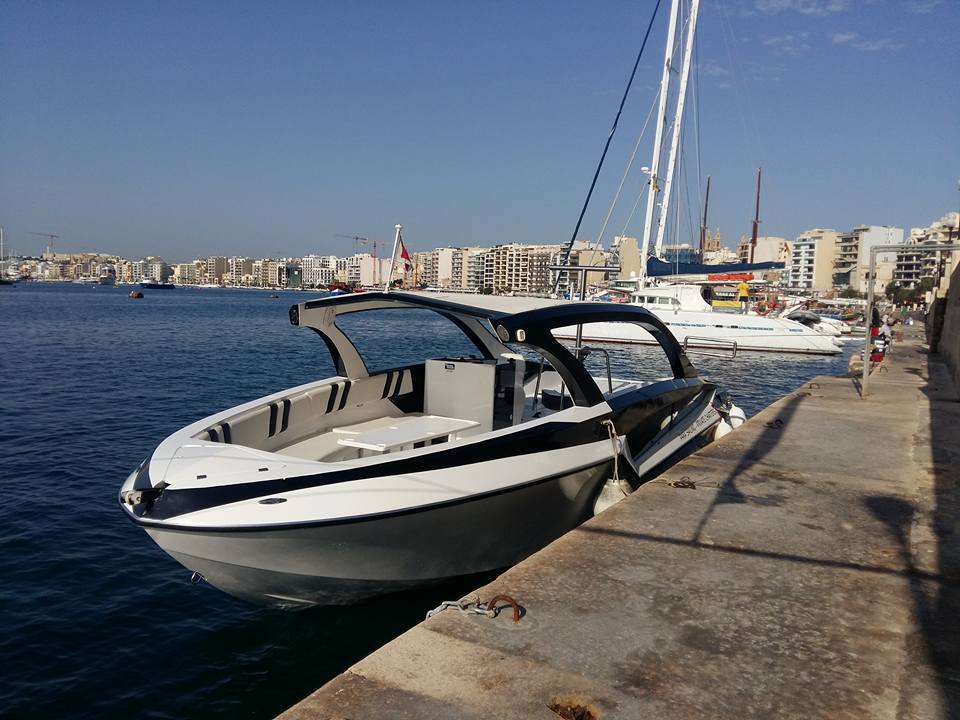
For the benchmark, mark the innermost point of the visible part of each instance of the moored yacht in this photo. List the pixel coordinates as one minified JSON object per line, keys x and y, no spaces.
{"x":375,"y":481}
{"x":696,"y":324}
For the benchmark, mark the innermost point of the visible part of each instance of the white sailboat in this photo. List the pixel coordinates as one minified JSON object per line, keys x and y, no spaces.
{"x":682,"y":307}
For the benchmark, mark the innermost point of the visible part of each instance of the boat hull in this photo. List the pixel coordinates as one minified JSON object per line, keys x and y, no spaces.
{"x":750,"y":333}
{"x":344,"y":562}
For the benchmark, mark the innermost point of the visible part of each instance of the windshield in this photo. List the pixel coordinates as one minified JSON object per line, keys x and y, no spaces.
{"x":390,"y":338}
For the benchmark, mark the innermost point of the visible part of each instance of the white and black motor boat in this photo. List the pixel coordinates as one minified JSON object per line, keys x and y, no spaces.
{"x":370,"y":482}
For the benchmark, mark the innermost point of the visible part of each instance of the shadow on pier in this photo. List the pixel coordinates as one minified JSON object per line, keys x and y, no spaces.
{"x":936,"y":592}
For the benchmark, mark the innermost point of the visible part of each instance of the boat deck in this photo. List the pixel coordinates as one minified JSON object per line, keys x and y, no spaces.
{"x":807,"y":565}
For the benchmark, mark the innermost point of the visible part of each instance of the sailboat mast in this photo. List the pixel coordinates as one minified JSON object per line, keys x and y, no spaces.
{"x":677,"y":122}
{"x":756,"y":220}
{"x":703,"y":225}
{"x":658,"y":139}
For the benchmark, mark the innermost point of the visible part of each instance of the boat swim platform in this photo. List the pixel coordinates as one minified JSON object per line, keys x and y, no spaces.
{"x":805,"y":566}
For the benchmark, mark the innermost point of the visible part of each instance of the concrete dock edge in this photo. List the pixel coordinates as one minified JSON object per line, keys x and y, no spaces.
{"x":805,"y":566}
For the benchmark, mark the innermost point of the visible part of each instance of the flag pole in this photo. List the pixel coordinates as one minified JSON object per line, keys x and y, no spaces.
{"x":393,"y":258}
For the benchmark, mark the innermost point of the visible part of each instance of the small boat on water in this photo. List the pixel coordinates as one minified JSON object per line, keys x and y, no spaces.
{"x":376,"y":481}
{"x":153,"y":285}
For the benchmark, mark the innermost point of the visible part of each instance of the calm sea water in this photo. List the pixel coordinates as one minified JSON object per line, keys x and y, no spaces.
{"x":95,"y":620}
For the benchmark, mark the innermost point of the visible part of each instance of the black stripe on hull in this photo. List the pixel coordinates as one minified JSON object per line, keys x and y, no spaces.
{"x":373,"y":517}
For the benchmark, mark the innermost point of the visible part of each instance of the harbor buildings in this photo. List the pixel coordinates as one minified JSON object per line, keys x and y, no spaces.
{"x":820,"y":260}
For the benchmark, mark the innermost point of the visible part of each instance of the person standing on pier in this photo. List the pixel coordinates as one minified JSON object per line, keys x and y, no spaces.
{"x":743,"y":295}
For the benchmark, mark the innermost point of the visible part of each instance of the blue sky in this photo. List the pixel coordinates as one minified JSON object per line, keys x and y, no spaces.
{"x":189,"y":129}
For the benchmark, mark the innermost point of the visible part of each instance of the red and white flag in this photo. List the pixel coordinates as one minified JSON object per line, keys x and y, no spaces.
{"x":405,"y":256}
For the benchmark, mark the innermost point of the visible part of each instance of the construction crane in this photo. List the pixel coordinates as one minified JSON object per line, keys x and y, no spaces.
{"x":359,"y":240}
{"x":51,"y":237}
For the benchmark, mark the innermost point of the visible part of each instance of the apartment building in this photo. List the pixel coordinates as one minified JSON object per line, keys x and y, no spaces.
{"x":318,"y":270}
{"x":626,"y":254}
{"x":217,"y":268}
{"x":185,"y":273}
{"x":852,"y":261}
{"x":811,"y":260}
{"x":268,"y":273}
{"x":239,"y":268}
{"x":516,"y":268}
{"x":768,"y":249}
{"x":913,"y":266}
{"x":365,"y":270}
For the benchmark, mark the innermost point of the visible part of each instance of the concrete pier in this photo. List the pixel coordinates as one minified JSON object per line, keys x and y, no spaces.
{"x":805,"y":566}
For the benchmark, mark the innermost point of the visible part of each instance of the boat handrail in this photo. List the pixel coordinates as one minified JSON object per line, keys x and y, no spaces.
{"x":581,"y":355}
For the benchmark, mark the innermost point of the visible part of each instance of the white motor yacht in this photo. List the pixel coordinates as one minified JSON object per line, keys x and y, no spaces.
{"x":695,"y":324}
{"x":376,"y":481}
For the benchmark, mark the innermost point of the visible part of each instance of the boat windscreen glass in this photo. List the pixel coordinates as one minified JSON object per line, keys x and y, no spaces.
{"x":390,"y":338}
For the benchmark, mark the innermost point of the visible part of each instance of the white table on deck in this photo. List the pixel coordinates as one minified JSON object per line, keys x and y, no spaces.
{"x":407,"y":431}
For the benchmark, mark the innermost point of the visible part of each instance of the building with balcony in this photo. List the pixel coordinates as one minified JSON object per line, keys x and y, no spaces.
{"x":186,"y":273}
{"x":912,"y":267}
{"x":237,"y":269}
{"x":318,"y":270}
{"x":217,"y":268}
{"x":852,"y":258}
{"x":811,"y":260}
{"x":514,"y":268}
{"x":268,"y":273}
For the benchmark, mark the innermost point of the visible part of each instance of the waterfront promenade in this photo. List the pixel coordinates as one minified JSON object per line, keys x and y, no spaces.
{"x":807,"y":566}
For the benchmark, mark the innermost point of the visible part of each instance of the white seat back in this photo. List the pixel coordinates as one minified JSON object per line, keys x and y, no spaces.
{"x":460,"y":389}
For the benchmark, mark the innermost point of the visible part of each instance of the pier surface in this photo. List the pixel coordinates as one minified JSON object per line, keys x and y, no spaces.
{"x":805,"y":566}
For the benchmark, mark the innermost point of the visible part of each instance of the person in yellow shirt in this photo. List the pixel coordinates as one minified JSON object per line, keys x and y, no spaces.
{"x":743,"y":295}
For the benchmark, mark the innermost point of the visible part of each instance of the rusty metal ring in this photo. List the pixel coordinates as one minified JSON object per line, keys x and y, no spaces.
{"x":492,"y":606}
